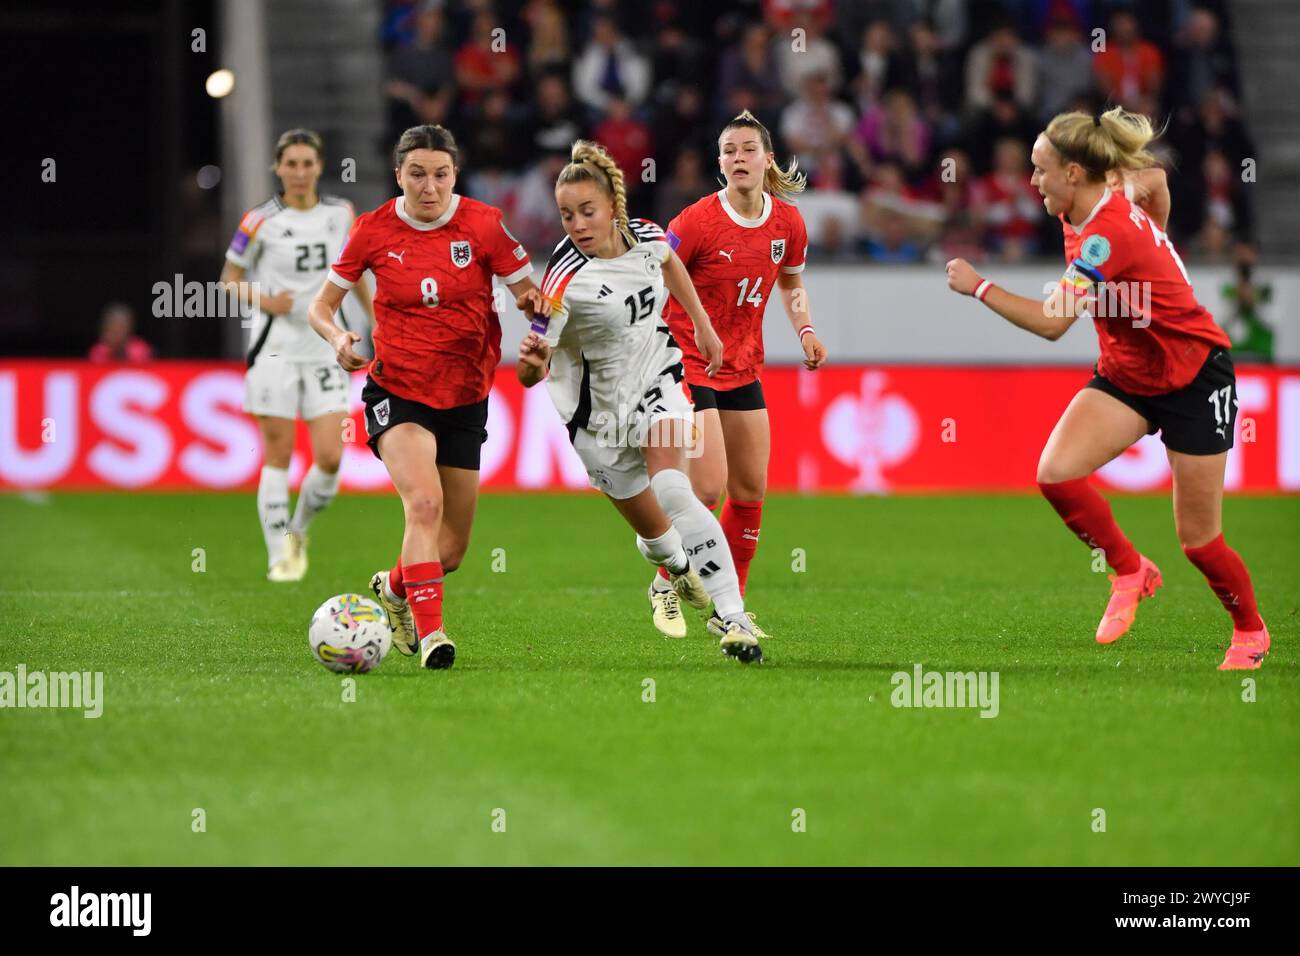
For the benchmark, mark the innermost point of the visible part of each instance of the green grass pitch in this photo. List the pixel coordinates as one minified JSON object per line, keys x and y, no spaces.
{"x":213,"y":702}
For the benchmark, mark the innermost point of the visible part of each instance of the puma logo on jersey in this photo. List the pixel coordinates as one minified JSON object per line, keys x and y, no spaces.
{"x":1221,"y":432}
{"x":604,"y":291}
{"x":398,"y":256}
{"x":726,"y":254}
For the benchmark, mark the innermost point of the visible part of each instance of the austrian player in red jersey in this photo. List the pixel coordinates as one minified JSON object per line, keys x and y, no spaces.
{"x":1164,"y":365}
{"x":437,"y":345}
{"x":739,"y":245}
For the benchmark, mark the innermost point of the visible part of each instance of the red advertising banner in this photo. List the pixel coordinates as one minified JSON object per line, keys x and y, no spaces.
{"x":860,"y":429}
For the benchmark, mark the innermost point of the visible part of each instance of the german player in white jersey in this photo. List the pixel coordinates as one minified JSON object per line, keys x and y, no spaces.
{"x":287,"y":244}
{"x":615,"y":375}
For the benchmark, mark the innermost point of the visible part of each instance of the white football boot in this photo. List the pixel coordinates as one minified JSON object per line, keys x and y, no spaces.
{"x":436,"y":651}
{"x":717,"y":626}
{"x":738,"y":641}
{"x":667,"y":613}
{"x":293,"y":565}
{"x":400,"y":622}
{"x":690,"y":588}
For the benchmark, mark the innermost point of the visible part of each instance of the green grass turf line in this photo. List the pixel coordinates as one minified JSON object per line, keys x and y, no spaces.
{"x":213,"y":700}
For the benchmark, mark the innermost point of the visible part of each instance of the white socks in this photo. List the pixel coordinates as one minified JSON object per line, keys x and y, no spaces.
{"x":665,"y":550}
{"x":273,"y":510}
{"x":317,"y":491}
{"x":705,"y":543}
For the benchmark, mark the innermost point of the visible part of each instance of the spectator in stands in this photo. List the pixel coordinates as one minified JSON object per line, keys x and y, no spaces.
{"x":1129,"y":68}
{"x":679,"y":62}
{"x":950,"y":189}
{"x":532,"y":218}
{"x":929,"y":74}
{"x":1212,"y":129}
{"x":548,"y":43}
{"x":880,"y":66}
{"x":1006,"y":205}
{"x":748,"y":63}
{"x":555,"y":122}
{"x":799,"y":57}
{"x":816,"y":124}
{"x":681,"y":123}
{"x":1202,"y":61}
{"x":686,"y":185}
{"x":1000,"y":66}
{"x":830,"y":208}
{"x":1003,"y":119}
{"x":610,"y":69}
{"x":893,"y":131}
{"x":628,"y":140}
{"x":117,"y":339}
{"x":898,"y":221}
{"x":1064,"y":68}
{"x":417,"y":71}
{"x":487,"y":61}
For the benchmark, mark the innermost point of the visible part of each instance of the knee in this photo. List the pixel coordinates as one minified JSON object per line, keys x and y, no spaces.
{"x":1193,"y":533}
{"x":709,"y":497}
{"x":1051,"y":471}
{"x":329,"y":461}
{"x":672,"y":489}
{"x":424,"y":510}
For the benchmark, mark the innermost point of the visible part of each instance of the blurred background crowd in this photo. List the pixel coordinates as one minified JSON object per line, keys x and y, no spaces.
{"x":912,"y":118}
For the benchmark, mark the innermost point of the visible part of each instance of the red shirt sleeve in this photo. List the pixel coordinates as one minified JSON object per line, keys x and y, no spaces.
{"x":797,"y":255}
{"x":682,"y":238}
{"x":354,"y":258}
{"x":506,"y":255}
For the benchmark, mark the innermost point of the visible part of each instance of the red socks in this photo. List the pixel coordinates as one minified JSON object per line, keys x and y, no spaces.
{"x":423,"y":585}
{"x":396,"y":583}
{"x":1086,"y":513}
{"x":1228,"y":577}
{"x":740,"y":522}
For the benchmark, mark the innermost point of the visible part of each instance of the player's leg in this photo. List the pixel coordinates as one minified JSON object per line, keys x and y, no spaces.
{"x":320,"y":484}
{"x":661,"y":544}
{"x":708,"y":465}
{"x":1198,"y":518}
{"x":410,"y":452}
{"x":324,"y":407}
{"x":460,"y":502}
{"x":1095,"y":428}
{"x":748,"y":438}
{"x":706,"y":546}
{"x":273,"y":493}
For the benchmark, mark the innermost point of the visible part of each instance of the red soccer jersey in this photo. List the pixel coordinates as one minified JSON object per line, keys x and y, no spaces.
{"x":734,"y":264}
{"x":1154,"y":335}
{"x":437,"y":338}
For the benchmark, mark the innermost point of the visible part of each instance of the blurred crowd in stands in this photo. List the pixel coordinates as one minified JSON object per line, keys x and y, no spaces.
{"x":912,"y":118}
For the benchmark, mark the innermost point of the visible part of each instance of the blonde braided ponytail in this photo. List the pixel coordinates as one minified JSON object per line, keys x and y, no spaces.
{"x":589,"y":162}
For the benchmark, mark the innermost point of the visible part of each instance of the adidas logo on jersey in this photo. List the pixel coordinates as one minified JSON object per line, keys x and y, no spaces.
{"x":604,"y":291}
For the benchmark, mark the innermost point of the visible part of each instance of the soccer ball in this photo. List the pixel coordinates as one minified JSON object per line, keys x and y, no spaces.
{"x":349,"y":634}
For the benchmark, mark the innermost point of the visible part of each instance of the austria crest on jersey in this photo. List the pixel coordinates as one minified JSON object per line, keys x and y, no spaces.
{"x":778,"y":250}
{"x":460,"y":254}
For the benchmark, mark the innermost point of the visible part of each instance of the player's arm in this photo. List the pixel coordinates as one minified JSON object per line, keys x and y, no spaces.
{"x":795,"y":299}
{"x":534,"y":352}
{"x":1050,"y":318}
{"x":1151,"y":192}
{"x":680,"y":287}
{"x":232,"y":278}
{"x":361,"y":292}
{"x":320,"y":315}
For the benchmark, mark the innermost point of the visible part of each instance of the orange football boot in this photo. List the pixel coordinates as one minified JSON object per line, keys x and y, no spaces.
{"x":1247,"y":650}
{"x":1126,"y":590}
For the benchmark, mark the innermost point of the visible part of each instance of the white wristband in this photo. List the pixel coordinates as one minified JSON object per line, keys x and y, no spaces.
{"x":982,"y":289}
{"x":806,"y":330}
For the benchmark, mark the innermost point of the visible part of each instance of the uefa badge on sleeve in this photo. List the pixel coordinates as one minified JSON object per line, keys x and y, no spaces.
{"x":460,"y":254}
{"x":778,"y":250}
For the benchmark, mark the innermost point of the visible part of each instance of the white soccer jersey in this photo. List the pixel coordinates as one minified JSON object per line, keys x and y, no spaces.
{"x":611,"y":343}
{"x":291,"y":249}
